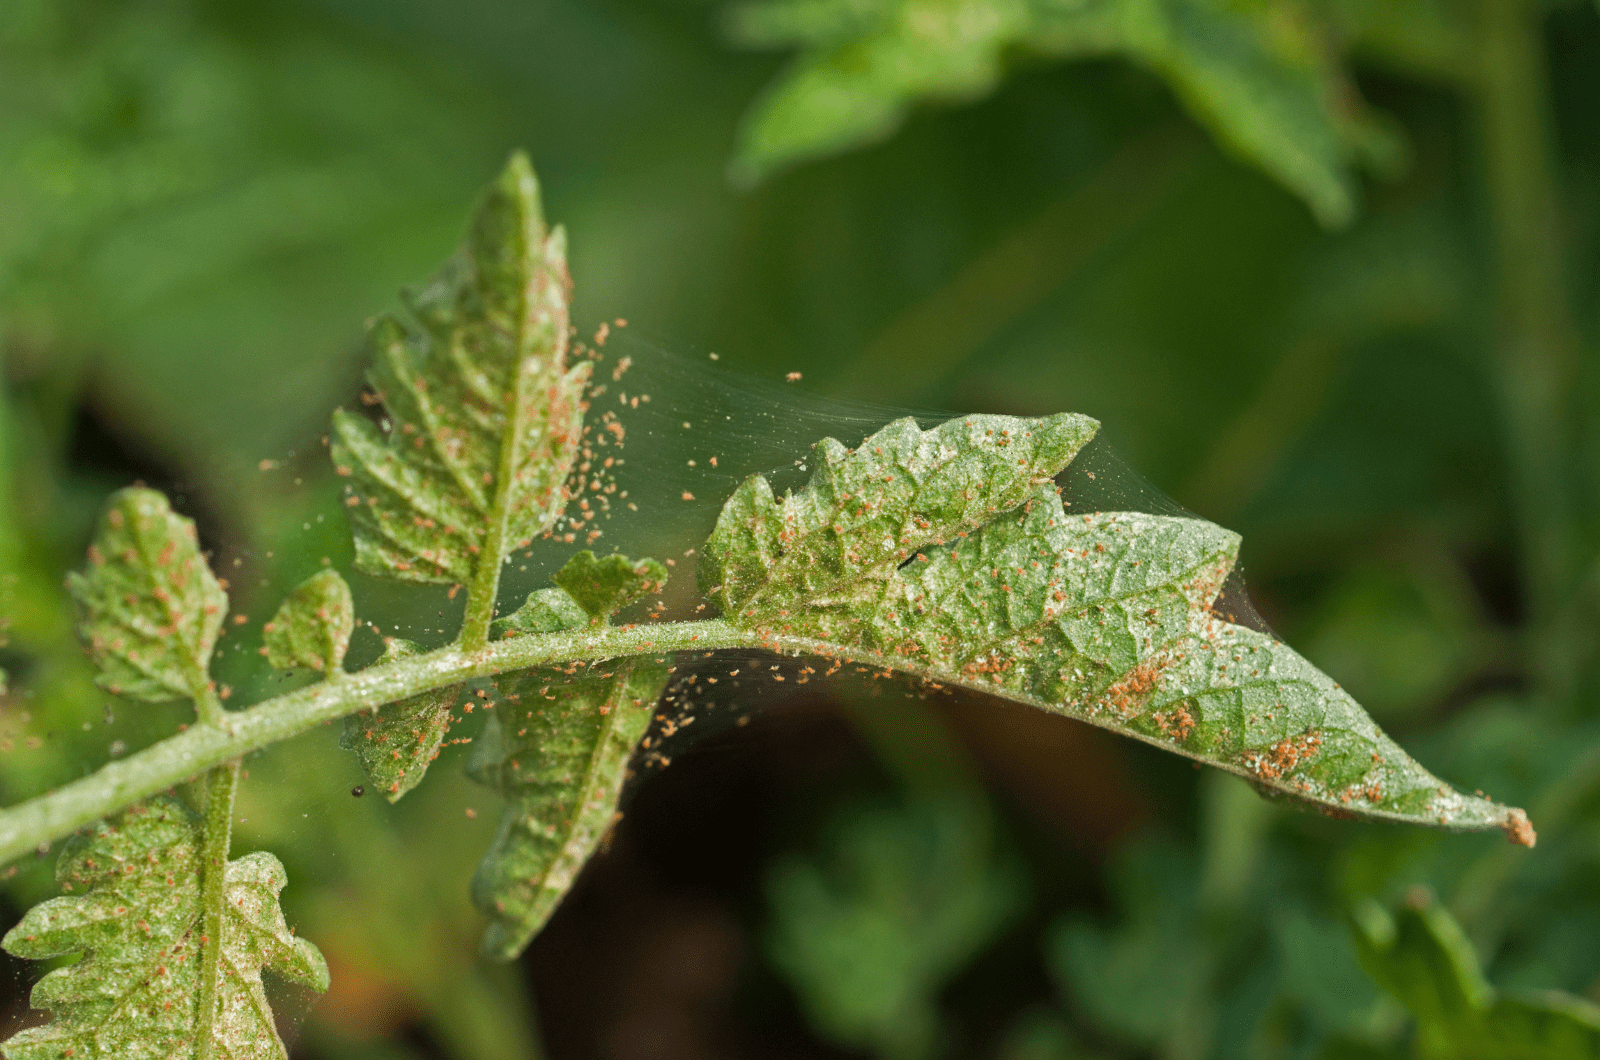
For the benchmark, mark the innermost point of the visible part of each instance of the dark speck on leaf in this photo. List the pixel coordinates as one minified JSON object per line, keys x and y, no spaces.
{"x":358,"y":791}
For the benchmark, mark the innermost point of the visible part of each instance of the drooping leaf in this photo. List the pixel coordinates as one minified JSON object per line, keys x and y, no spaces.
{"x":602,"y":587}
{"x":313,"y":625}
{"x":483,"y":415}
{"x":132,"y":907}
{"x":1262,"y":76}
{"x":872,"y":926}
{"x":396,"y":742}
{"x":557,"y":747}
{"x":149,"y":607}
{"x":1105,"y":617}
{"x":867,"y":509}
{"x":1421,"y":956}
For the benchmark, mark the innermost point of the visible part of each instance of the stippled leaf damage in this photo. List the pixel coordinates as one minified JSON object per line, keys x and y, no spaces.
{"x":132,"y":907}
{"x":1106,"y":617}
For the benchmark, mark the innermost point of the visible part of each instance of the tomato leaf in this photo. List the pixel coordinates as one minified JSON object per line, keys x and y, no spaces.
{"x":149,"y":607}
{"x":483,"y":415}
{"x":1425,"y":961}
{"x":558,"y":749}
{"x":133,"y":908}
{"x":1106,"y":617}
{"x":1264,"y":79}
{"x":398,"y":741}
{"x":313,"y":625}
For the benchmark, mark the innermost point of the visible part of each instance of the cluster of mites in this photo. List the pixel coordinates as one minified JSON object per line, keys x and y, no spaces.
{"x":592,"y":483}
{"x":1271,"y":763}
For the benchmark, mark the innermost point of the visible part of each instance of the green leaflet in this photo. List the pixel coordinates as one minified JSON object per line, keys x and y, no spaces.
{"x":133,"y":909}
{"x":397,"y":742}
{"x":148,"y":606}
{"x":483,"y":417}
{"x":866,"y":509}
{"x":557,"y":748}
{"x":1103,"y":617}
{"x":312,"y":627}
{"x":602,"y":587}
{"x":1421,"y":956}
{"x":587,"y":590}
{"x":1261,"y":76}
{"x":546,"y":611}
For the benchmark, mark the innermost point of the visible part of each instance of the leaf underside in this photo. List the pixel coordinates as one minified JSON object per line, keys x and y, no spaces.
{"x":1106,"y":617}
{"x":557,"y":747}
{"x":149,"y":608}
{"x":1269,"y":89}
{"x":132,"y":907}
{"x":313,"y":625}
{"x":396,"y":742}
{"x":483,"y":416}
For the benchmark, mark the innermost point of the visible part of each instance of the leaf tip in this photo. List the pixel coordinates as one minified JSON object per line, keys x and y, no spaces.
{"x":518,"y":185}
{"x":1519,"y":829}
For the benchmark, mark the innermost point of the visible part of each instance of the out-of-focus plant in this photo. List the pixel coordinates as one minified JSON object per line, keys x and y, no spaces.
{"x":1423,"y":959}
{"x":899,"y":897}
{"x":1266,"y":78}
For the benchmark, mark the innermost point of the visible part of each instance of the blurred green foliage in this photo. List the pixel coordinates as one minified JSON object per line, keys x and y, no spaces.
{"x":1426,"y":962}
{"x":1262,"y":76}
{"x":1004,"y":205}
{"x":902,"y":896}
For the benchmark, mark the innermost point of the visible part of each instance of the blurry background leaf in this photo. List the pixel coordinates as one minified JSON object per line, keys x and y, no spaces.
{"x":895,"y":897}
{"x":1421,"y":956}
{"x":1264,"y":76}
{"x":1148,"y":982}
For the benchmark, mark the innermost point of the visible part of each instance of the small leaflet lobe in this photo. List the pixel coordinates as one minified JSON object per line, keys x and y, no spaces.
{"x":602,"y":587}
{"x":548,"y":610}
{"x":483,"y":417}
{"x":132,"y":907}
{"x":397,"y":742}
{"x":1106,"y":617}
{"x":312,"y":626}
{"x":149,"y":608}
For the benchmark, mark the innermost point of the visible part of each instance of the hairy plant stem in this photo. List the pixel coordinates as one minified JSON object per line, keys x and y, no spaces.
{"x":221,"y":785}
{"x":206,"y":704}
{"x":42,"y":820}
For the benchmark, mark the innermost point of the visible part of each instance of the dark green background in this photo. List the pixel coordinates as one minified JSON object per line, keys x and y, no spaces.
{"x":200,"y":202}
